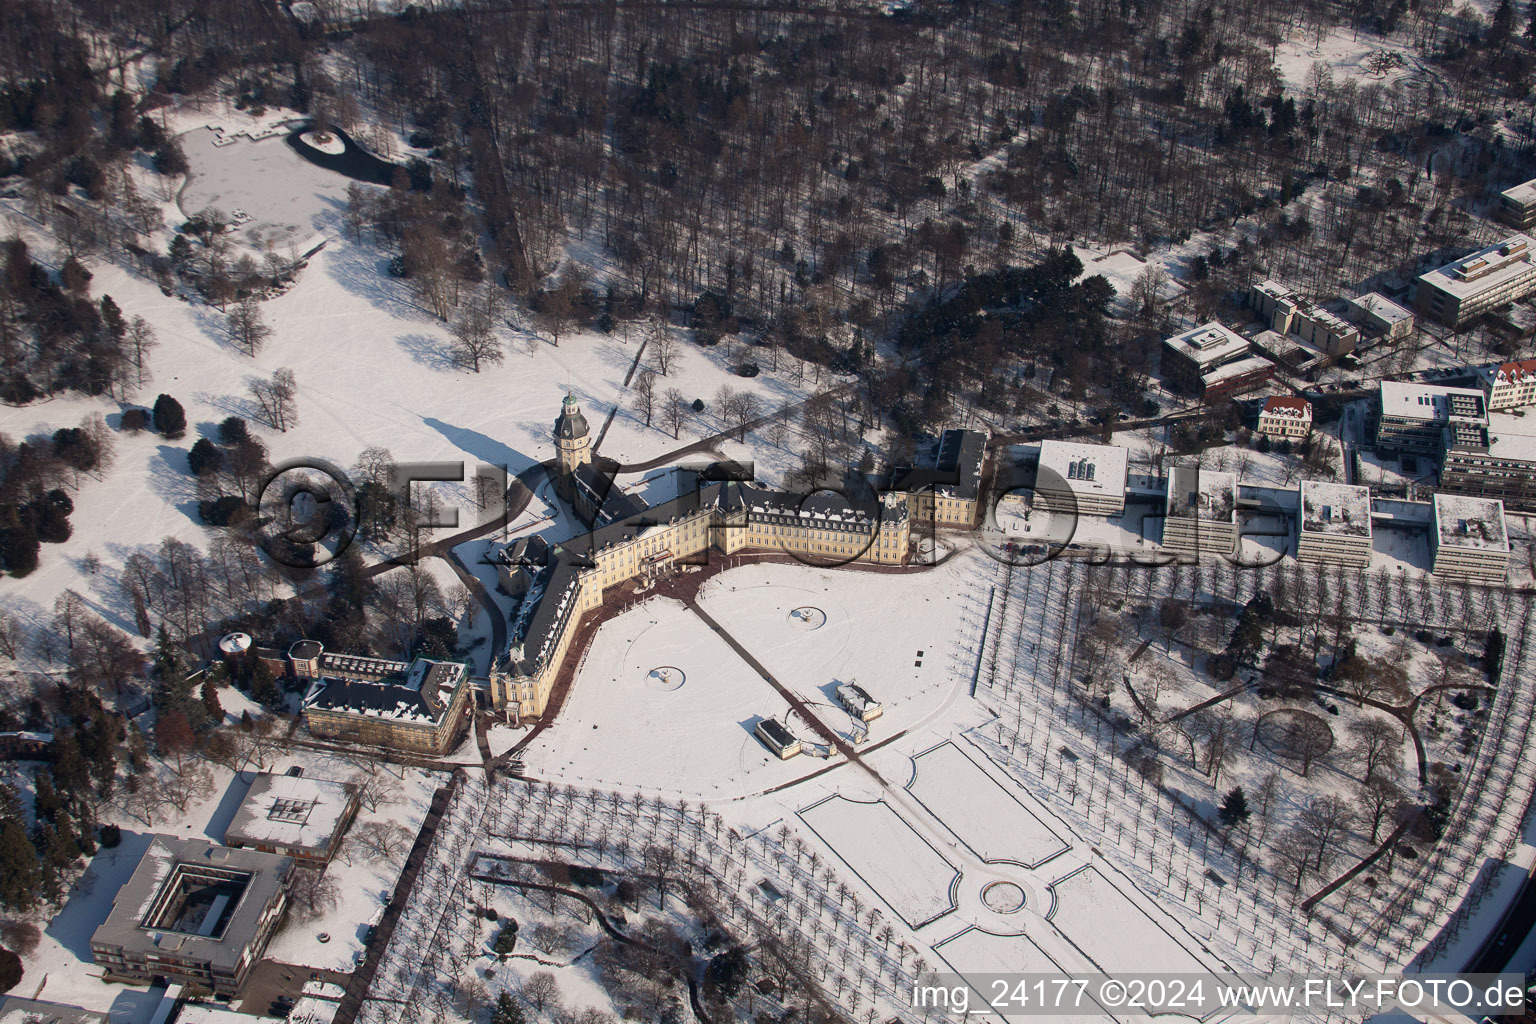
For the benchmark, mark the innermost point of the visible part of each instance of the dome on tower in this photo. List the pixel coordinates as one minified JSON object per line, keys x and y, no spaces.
{"x":570,"y":424}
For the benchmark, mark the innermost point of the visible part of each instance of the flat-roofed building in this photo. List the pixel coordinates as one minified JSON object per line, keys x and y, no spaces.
{"x":1469,"y":539}
{"x":1380,"y":315}
{"x":1088,"y":479}
{"x":193,"y":913}
{"x":1235,"y":377}
{"x":15,"y":1010}
{"x":1411,"y":419}
{"x":1200,"y":515}
{"x":1493,"y":461}
{"x":1191,"y":355}
{"x":1517,"y":205}
{"x":1287,"y":312}
{"x":295,"y":816}
{"x":1510,"y":385}
{"x":1285,"y":416}
{"x":1460,"y":292}
{"x":1333,"y":524}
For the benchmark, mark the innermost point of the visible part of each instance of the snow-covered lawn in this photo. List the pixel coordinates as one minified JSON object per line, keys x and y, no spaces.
{"x":878,"y":845}
{"x":363,"y":882}
{"x":1135,"y":942}
{"x":981,"y":813}
{"x":975,"y":952}
{"x":689,"y":733}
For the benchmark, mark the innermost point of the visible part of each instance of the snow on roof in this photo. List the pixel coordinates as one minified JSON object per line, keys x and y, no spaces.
{"x":202,"y":1013}
{"x":1484,"y":269}
{"x":1208,"y":343}
{"x":1381,"y":307}
{"x":1525,"y":192}
{"x":1194,"y":493}
{"x":1227,"y":371}
{"x":1514,"y":373}
{"x":312,"y":1010}
{"x":1088,"y":469}
{"x":15,"y":1010}
{"x":1288,"y":405}
{"x":1341,"y":510}
{"x":1511,"y":437}
{"x":296,"y":813}
{"x":1467,"y":522}
{"x":1431,"y":402}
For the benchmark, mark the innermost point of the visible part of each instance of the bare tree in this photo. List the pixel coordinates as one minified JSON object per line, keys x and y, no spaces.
{"x":663,"y":348}
{"x":1378,"y":747}
{"x":541,"y":990}
{"x":474,"y":339}
{"x":1323,"y":820}
{"x":276,"y":399}
{"x":246,"y":325}
{"x":314,"y":893}
{"x":675,"y":411}
{"x":643,"y":395}
{"x":141,"y":338}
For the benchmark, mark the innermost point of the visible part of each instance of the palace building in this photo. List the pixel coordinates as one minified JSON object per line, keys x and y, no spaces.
{"x":631,"y":540}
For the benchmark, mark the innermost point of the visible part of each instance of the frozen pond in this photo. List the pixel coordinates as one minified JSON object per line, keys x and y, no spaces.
{"x":288,"y":198}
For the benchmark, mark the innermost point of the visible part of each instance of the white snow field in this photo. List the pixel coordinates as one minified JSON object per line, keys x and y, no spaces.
{"x":976,"y":952}
{"x":880,"y":847}
{"x":372,"y":368}
{"x":621,"y":726}
{"x":878,"y":628}
{"x":981,"y":812}
{"x":1136,"y":942}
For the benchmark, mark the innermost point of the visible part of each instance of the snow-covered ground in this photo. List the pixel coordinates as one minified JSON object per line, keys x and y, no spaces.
{"x":880,"y":847}
{"x":372,"y":368}
{"x":363,"y":881}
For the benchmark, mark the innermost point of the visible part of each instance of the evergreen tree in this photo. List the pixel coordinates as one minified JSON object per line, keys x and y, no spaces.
{"x":1234,"y":809}
{"x":10,"y":970}
{"x":170,"y":418}
{"x":20,"y":876}
{"x":48,"y":806}
{"x":18,"y":549}
{"x":205,"y":458}
{"x":211,"y":703}
{"x":507,"y":1011}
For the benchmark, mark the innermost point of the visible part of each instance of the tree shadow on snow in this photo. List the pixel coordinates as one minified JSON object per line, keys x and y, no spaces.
{"x":433,"y":353}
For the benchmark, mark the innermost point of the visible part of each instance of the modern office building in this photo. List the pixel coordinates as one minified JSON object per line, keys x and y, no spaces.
{"x":1200,"y":514}
{"x":1211,"y":361}
{"x":1517,"y":206}
{"x":1086,"y":479}
{"x":1493,"y":461}
{"x":193,"y":913}
{"x":1411,"y":419}
{"x":1460,"y":292}
{"x":293,"y":815}
{"x":1380,"y":315}
{"x":1334,"y":524}
{"x":1469,"y":539}
{"x":1286,"y":312}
